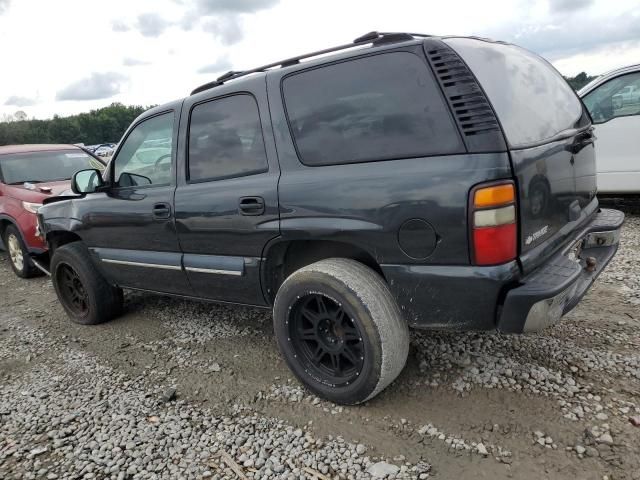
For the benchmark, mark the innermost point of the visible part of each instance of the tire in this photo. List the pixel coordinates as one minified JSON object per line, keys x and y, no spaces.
{"x":95,"y":300}
{"x":19,"y":259}
{"x":356,"y":301}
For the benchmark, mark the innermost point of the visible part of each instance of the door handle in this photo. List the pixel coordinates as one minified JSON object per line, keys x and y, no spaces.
{"x":161,"y":210}
{"x":251,"y":205}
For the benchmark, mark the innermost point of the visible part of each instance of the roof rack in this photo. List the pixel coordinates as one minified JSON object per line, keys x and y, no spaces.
{"x":374,"y":38}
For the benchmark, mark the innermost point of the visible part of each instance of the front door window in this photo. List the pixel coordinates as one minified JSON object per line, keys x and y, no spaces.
{"x":619,"y":97}
{"x":145,"y":156}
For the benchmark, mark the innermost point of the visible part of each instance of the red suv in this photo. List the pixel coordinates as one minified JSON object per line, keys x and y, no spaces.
{"x":28,"y":175}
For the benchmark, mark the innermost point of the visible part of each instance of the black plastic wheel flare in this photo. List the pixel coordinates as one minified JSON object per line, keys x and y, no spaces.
{"x":73,"y":292}
{"x":326,"y":339}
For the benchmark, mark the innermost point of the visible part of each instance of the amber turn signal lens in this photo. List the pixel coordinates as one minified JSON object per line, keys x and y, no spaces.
{"x":494,"y":196}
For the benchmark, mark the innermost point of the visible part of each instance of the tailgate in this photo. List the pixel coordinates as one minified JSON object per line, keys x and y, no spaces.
{"x":556,"y":188}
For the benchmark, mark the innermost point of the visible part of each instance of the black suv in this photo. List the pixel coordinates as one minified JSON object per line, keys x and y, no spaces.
{"x":403,"y":181}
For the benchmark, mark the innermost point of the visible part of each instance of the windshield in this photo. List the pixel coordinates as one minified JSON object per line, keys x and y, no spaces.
{"x":50,"y":166}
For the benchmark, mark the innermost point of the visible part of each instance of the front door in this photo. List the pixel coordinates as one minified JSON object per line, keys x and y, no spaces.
{"x":615,"y":108}
{"x":226,"y":201}
{"x":130,"y":228}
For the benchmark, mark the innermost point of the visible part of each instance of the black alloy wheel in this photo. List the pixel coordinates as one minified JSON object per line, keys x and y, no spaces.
{"x":72,"y":290}
{"x":326,"y":339}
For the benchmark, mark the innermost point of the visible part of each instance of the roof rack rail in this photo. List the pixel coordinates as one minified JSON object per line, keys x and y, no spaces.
{"x":228,"y":75}
{"x":375,"y":38}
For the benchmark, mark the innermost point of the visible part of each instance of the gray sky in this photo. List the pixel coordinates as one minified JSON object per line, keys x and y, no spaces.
{"x":69,"y":56}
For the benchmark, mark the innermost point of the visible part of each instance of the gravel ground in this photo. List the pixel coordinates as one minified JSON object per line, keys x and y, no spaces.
{"x":190,"y":390}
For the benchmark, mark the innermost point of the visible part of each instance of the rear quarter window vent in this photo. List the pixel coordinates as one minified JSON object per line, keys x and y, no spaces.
{"x":472,"y":111}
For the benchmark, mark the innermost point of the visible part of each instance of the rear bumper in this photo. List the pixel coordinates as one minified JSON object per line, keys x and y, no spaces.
{"x":545,"y":295}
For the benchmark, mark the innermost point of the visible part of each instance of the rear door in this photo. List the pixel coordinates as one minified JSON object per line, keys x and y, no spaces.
{"x":226,"y":201}
{"x":550,"y":140}
{"x":615,"y":108}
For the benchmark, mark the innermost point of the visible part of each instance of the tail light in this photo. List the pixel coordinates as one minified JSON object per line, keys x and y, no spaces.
{"x":494,"y":230}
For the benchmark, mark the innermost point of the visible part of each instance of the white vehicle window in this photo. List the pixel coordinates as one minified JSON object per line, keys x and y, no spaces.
{"x":619,"y":97}
{"x":145,"y":156}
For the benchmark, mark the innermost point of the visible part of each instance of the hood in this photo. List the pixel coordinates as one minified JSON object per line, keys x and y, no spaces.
{"x":37,"y":192}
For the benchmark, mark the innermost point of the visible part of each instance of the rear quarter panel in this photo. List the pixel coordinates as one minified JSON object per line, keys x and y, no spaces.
{"x":366,"y":203}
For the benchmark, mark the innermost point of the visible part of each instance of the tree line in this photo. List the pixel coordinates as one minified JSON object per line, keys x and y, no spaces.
{"x":106,"y":124}
{"x":579,"y":80}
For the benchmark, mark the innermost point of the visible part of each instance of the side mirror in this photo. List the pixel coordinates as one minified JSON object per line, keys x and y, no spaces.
{"x":86,"y":181}
{"x":133,"y":180}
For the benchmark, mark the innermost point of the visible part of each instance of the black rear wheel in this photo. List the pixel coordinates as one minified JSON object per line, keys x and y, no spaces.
{"x":327,"y":339}
{"x":340,"y":330}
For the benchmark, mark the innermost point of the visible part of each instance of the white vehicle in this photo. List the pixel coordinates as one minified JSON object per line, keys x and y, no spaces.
{"x":613,"y":99}
{"x":630,"y":95}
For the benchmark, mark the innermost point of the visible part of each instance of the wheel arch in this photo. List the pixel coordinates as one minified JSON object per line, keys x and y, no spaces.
{"x":58,"y":238}
{"x":5,"y":222}
{"x":284,"y":257}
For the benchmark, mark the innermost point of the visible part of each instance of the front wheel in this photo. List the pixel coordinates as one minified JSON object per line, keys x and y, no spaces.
{"x":84,"y":293}
{"x":18,"y":254}
{"x":340,"y":330}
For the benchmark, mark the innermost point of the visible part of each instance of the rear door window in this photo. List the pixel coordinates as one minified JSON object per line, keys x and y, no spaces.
{"x":532,"y":100}
{"x":380,"y":107}
{"x":225,"y":139}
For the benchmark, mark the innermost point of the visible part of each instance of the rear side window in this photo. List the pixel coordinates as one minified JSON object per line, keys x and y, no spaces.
{"x":381,"y":107}
{"x":532,"y":100}
{"x":225,"y":139}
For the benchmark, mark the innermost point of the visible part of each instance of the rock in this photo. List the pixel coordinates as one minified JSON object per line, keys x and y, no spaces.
{"x":168,"y":395}
{"x":635,"y":421}
{"x":382,"y":469}
{"x":38,"y":451}
{"x":580,"y":449}
{"x":605,"y":438}
{"x":602,"y":416}
{"x":360,"y":449}
{"x":482,"y":450}
{"x":592,"y":452}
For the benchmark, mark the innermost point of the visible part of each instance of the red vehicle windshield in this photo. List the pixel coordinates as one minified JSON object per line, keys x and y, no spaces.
{"x":36,"y":167}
